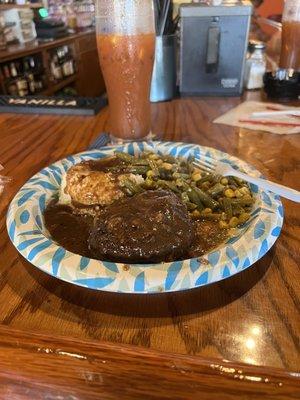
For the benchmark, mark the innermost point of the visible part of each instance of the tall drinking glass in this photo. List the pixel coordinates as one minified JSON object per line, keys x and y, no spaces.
{"x":290,"y":48}
{"x":126,"y":41}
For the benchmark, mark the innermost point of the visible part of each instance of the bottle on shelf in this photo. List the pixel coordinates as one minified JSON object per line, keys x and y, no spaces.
{"x":23,"y":76}
{"x":55,"y":68}
{"x":62,"y":63}
{"x":28,"y":73}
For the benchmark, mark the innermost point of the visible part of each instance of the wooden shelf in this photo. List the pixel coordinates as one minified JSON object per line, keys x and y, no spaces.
{"x":87,"y":80}
{"x":4,"y":7}
{"x":53,"y":88}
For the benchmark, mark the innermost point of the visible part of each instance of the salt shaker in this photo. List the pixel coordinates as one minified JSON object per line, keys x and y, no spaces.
{"x":255,"y":65}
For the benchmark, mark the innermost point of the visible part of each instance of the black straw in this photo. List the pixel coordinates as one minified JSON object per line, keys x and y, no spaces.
{"x":165,"y":13}
{"x":164,"y":24}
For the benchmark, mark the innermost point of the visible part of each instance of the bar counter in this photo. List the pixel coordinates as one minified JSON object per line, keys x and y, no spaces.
{"x":235,"y":339}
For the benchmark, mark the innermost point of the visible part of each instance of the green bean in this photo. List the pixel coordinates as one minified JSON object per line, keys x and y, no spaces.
{"x":154,"y":167}
{"x":206,"y":199}
{"x":216,"y":189}
{"x":165,"y":174}
{"x":125,"y":157}
{"x":140,"y":161}
{"x":185,"y":197}
{"x":242,"y":202}
{"x":238,"y":181}
{"x":138,"y":169}
{"x":169,"y":159}
{"x":206,"y":178}
{"x":168,"y":185}
{"x":183,"y":176}
{"x":227,"y":207}
{"x":132,"y":187}
{"x":194,"y":198}
{"x":191,"y":206}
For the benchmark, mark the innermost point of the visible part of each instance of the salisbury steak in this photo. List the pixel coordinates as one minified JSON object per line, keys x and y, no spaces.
{"x":150,"y":227}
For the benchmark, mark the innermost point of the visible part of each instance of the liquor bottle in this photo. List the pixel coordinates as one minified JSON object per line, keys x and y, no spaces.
{"x":5,"y":71}
{"x":29,"y":76}
{"x":55,"y":67}
{"x":68,"y":62}
{"x":13,"y":70}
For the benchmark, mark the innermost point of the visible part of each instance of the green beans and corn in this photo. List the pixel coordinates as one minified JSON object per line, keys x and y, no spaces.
{"x":207,"y":196}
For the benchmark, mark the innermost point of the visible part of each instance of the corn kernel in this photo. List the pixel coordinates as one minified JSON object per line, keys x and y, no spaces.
{"x":153,"y":156}
{"x":223,"y":216}
{"x":167,"y":166}
{"x":224,"y":181}
{"x":149,"y":182}
{"x":238,"y":193}
{"x":196,"y":176}
{"x":229,"y":193}
{"x":244,"y":190}
{"x":150,"y":173}
{"x":196,"y":214}
{"x":244,"y":217}
{"x":207,"y":211}
{"x":223,"y":224}
{"x":234,"y":221}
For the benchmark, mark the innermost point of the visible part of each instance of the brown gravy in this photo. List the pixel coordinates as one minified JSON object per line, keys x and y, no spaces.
{"x":72,"y":231}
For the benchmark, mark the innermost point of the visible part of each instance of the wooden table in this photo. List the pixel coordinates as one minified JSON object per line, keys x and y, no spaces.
{"x":181,"y":339}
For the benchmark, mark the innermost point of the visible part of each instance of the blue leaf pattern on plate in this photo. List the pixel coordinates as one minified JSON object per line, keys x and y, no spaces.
{"x":253,"y":188}
{"x":194,"y":264}
{"x":246,"y":263}
{"x":84,"y":262}
{"x":46,"y":185}
{"x":139,"y":283}
{"x":111,"y":266}
{"x":259,"y":229}
{"x":226,"y":272}
{"x":233,"y":255}
{"x":26,"y":196}
{"x":24,"y":217}
{"x":12,"y":230}
{"x":57,"y":259}
{"x":266,"y":199}
{"x":29,"y":242}
{"x":202,"y":280}
{"x":42,"y":202}
{"x":95,"y":283}
{"x":276,"y":231}
{"x":173,"y":272}
{"x":38,"y":222}
{"x":38,"y":249}
{"x":214,"y":257}
{"x":263,"y":249}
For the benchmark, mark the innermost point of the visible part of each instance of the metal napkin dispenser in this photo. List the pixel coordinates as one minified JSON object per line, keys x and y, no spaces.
{"x":213,"y":45}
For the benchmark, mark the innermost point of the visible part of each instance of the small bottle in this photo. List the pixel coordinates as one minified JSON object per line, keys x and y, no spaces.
{"x":29,"y":75}
{"x":13,"y":70}
{"x":6,"y":72}
{"x":255,"y":66}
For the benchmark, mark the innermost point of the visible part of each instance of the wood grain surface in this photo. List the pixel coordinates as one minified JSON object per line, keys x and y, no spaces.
{"x":62,"y":368}
{"x":252,"y":317}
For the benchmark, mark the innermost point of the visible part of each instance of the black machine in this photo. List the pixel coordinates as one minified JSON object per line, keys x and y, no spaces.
{"x":50,"y":29}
